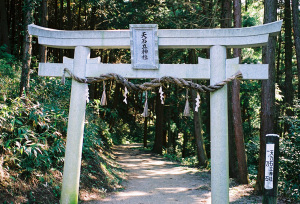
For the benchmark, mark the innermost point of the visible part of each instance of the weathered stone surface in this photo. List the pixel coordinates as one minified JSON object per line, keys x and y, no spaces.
{"x":144,"y":46}
{"x":187,"y":71}
{"x":186,"y":38}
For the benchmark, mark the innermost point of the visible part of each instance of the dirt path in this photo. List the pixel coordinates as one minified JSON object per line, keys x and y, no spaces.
{"x":153,"y":180}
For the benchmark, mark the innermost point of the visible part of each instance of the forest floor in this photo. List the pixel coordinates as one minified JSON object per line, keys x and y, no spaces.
{"x":151,"y":179}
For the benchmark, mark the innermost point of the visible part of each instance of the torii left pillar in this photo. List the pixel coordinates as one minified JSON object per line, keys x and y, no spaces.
{"x":70,"y":187}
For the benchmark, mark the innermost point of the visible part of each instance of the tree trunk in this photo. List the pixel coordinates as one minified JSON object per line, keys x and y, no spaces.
{"x":159,"y":110}
{"x":184,"y":145}
{"x":12,"y":25}
{"x":79,"y":16}
{"x":116,"y":101}
{"x":268,"y":93}
{"x":145,"y":131}
{"x":27,"y":45}
{"x":4,"y":40}
{"x":288,"y":85}
{"x":44,"y":23}
{"x":201,"y":152}
{"x":296,"y":26}
{"x":20,"y":17}
{"x":69,"y":15}
{"x":278,"y":63}
{"x":176,"y":121}
{"x":226,"y":16}
{"x":236,"y":108}
{"x":61,"y":27}
{"x":200,"y":147}
{"x":233,"y":165}
{"x":165,"y":137}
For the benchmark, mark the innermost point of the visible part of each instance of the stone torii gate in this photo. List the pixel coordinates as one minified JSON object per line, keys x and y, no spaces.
{"x":216,"y":69}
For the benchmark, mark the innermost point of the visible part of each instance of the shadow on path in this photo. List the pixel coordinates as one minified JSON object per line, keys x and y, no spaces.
{"x":153,"y":180}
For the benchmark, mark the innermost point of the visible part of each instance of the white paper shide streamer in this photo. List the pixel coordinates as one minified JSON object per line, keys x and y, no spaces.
{"x":87,"y":93}
{"x":161,"y":95}
{"x":197,"y":102}
{"x":125,"y":95}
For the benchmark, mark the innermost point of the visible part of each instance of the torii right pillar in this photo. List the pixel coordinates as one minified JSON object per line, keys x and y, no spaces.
{"x":220,"y":69}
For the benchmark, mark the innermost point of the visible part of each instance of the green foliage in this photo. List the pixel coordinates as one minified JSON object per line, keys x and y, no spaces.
{"x":253,"y":15}
{"x":33,"y":130}
{"x":9,"y":75}
{"x":289,"y":176}
{"x":33,"y":136}
{"x":32,"y":133}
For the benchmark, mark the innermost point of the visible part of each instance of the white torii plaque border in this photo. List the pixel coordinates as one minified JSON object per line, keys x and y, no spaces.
{"x":144,"y":46}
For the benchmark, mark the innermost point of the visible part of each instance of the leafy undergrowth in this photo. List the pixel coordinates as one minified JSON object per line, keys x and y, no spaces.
{"x":32,"y":145}
{"x":99,"y":175}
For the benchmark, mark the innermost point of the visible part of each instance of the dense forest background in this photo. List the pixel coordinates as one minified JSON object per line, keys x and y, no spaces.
{"x":34,"y":110}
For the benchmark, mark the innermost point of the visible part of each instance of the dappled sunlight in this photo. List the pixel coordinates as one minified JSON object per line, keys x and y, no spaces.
{"x":153,"y":180}
{"x":173,"y":190}
{"x":132,"y":193}
{"x":167,"y":171}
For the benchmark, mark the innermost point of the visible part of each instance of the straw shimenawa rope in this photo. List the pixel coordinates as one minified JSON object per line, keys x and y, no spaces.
{"x":155,"y":82}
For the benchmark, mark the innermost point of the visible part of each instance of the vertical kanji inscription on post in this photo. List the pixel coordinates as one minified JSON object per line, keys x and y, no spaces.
{"x":269,"y":166}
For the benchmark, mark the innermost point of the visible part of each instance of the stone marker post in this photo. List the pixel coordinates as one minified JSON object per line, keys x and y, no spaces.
{"x":271,"y":169}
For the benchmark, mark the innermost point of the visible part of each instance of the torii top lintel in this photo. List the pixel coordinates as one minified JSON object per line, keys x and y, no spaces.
{"x":167,"y":38}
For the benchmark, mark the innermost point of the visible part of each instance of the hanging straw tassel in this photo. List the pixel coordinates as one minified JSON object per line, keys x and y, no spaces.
{"x":103,"y":98}
{"x":63,"y":78}
{"x":186,"y":112}
{"x":146,"y":113}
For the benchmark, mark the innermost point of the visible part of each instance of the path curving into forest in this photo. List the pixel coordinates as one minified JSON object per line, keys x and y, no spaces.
{"x":154,"y":180}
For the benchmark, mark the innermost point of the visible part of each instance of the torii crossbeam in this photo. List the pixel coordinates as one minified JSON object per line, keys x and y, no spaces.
{"x":217,"y":68}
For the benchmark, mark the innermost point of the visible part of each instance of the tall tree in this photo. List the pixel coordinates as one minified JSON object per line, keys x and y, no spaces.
{"x":296,"y":27}
{"x":200,"y":147}
{"x":288,"y":85}
{"x":61,"y":27}
{"x":145,"y":131}
{"x":44,"y":23}
{"x":79,"y":15}
{"x":20,"y":17}
{"x":69,"y":15}
{"x":4,"y":40}
{"x":226,"y":22}
{"x":12,"y":24}
{"x":27,"y":48}
{"x":159,"y":133}
{"x":201,"y":152}
{"x":184,"y":152}
{"x":236,"y":107}
{"x":268,"y":93}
